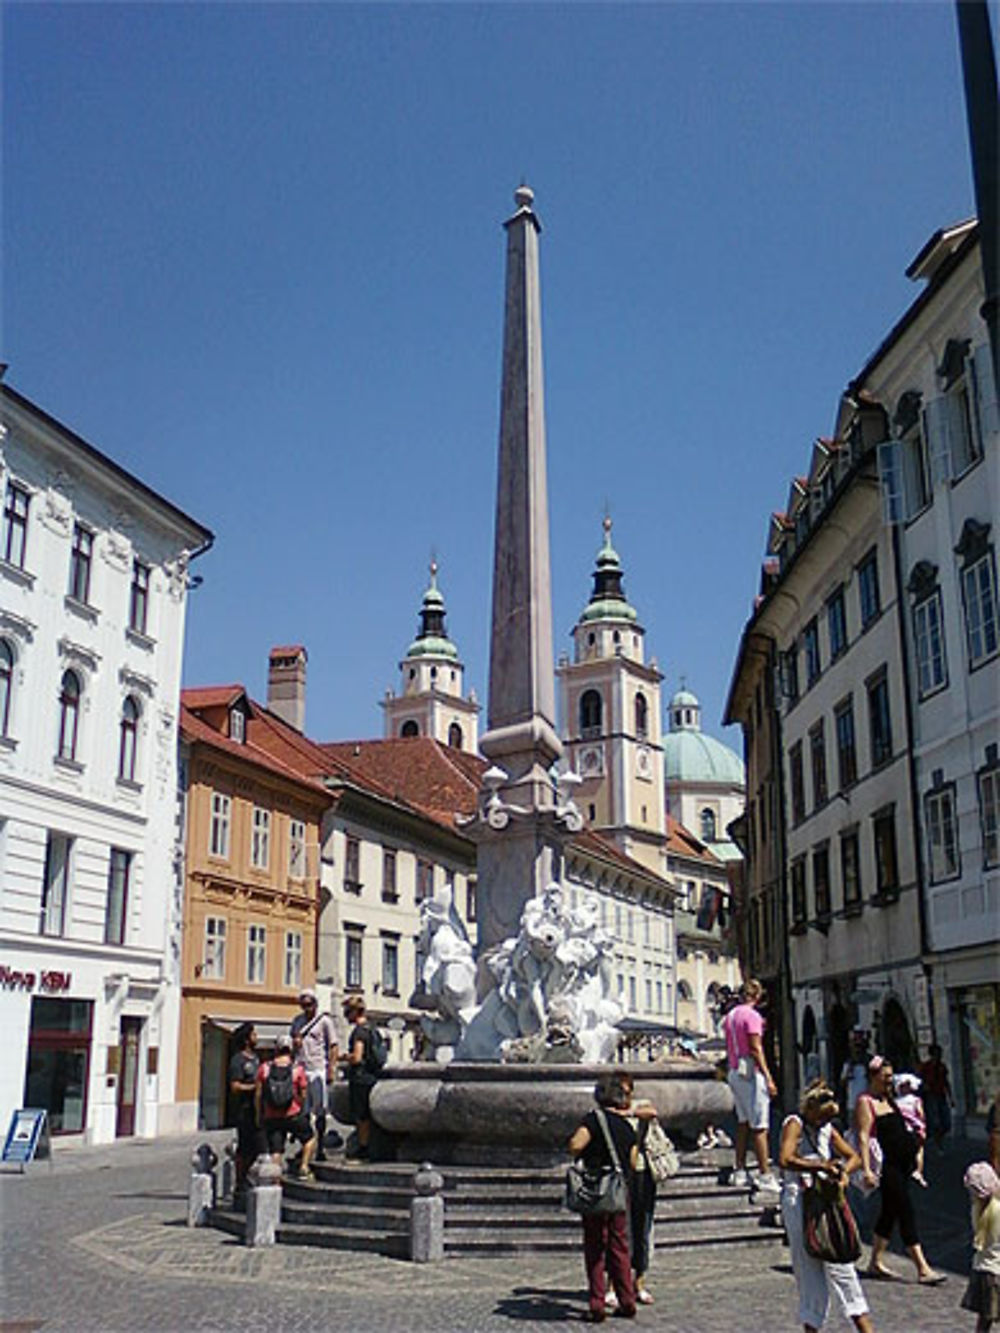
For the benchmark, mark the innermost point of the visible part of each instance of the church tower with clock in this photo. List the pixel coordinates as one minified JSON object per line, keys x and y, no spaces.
{"x":611,"y":721}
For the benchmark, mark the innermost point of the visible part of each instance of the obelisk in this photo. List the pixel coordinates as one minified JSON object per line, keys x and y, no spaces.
{"x":519,"y":848}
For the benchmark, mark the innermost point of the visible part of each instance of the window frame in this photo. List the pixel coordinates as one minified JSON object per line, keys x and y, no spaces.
{"x":138,"y":597}
{"x":852,"y":900}
{"x":213,"y":957}
{"x":390,"y":950}
{"x":260,"y":839}
{"x":353,"y":953}
{"x":8,"y":663}
{"x":16,"y":524}
{"x":923,"y":639}
{"x":423,"y":887}
{"x":817,"y":764}
{"x":989,"y":623}
{"x":390,"y":875}
{"x":221,"y":821}
{"x":884,"y":841}
{"x":116,"y":906}
{"x":845,"y":734}
{"x":81,"y":563}
{"x":869,"y":592}
{"x":69,"y":713}
{"x":988,"y":778}
{"x":352,"y":864}
{"x":797,"y":886}
{"x":811,"y":649}
{"x":256,"y":958}
{"x":836,"y":623}
{"x":297,"y":839}
{"x":128,"y":739}
{"x":292,"y":969}
{"x":53,"y":907}
{"x":797,"y":782}
{"x":941,"y":797}
{"x":880,"y":746}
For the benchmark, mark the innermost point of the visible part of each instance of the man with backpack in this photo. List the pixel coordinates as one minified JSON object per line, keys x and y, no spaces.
{"x":365,"y":1059}
{"x":282,"y":1089}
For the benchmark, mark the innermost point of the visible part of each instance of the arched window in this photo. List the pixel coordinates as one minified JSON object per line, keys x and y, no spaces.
{"x":683,"y":991}
{"x":455,"y":736}
{"x":128,"y":740}
{"x":6,"y":684}
{"x":408,"y":729}
{"x":708,"y":825}
{"x":641,"y":717}
{"x":69,"y":714}
{"x":590,"y":713}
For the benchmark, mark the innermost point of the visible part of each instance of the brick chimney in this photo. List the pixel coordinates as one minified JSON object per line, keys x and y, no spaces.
{"x":286,"y":684}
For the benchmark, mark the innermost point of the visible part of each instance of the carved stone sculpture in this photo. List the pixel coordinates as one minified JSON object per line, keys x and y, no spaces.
{"x":546,"y":993}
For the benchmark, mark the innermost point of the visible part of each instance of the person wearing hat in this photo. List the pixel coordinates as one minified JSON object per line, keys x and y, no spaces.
{"x":314,"y":1041}
{"x":982,"y":1296}
{"x":282,"y":1089}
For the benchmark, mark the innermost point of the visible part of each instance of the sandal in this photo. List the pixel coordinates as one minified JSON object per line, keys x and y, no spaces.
{"x":882,"y":1275}
{"x":932,"y":1279}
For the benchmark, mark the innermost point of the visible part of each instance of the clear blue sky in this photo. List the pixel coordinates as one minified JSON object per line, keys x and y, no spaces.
{"x":254,"y":253}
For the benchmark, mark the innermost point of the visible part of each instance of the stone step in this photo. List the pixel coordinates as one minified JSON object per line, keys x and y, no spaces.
{"x":373,"y":1239}
{"x":348,"y":1193}
{"x":345,"y":1217}
{"x":474,"y":1240}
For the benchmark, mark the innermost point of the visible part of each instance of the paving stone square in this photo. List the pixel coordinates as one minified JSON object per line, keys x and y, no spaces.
{"x":97,"y":1243}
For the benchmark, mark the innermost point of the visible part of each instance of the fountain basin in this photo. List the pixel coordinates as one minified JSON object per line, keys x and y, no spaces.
{"x":522,"y":1114}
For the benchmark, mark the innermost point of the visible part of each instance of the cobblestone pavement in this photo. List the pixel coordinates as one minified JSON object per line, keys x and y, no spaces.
{"x":98,"y":1242}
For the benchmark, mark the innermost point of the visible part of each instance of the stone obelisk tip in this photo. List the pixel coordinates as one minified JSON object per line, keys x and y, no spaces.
{"x":524,"y":196}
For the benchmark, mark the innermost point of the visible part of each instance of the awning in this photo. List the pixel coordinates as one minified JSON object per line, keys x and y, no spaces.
{"x":268,"y":1029}
{"x":646,"y":1028}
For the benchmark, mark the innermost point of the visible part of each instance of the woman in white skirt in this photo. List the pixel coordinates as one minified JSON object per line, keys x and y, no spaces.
{"x":810,"y":1145}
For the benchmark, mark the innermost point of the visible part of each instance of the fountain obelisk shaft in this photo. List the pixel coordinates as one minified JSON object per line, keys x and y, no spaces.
{"x":514,"y":863}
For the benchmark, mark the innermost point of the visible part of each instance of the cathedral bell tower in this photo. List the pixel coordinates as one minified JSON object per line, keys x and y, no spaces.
{"x":610,"y":705}
{"x":430,"y":700}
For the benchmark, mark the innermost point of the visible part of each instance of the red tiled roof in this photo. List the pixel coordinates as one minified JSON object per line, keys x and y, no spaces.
{"x":197,"y":731}
{"x":418,"y":771}
{"x":682,"y":842}
{"x":211,"y":696}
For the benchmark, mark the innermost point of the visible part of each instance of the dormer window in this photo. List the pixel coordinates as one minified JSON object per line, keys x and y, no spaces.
{"x":237,"y":725}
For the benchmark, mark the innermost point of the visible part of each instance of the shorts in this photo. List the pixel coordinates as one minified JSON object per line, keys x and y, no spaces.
{"x":360,"y":1095}
{"x":753,"y":1106}
{"x":315,"y":1092}
{"x":277,"y":1130}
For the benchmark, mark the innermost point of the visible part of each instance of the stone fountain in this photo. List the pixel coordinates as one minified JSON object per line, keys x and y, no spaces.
{"x":518,"y":1036}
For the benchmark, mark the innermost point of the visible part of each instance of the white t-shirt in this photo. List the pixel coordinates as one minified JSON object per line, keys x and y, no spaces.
{"x":813,"y":1143}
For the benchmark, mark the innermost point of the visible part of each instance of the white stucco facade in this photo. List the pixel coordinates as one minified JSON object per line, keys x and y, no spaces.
{"x":93,"y":587}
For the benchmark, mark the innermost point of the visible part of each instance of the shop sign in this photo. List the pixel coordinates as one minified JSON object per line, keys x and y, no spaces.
{"x":49,"y":982}
{"x":27,"y":1137}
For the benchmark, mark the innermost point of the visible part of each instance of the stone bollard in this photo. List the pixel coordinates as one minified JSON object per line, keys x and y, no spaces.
{"x":263,"y":1202}
{"x":427,"y":1216}
{"x":229,"y":1171}
{"x":201,"y":1190}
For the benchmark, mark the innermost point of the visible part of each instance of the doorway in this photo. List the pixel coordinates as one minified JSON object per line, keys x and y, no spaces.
{"x":128,"y":1076}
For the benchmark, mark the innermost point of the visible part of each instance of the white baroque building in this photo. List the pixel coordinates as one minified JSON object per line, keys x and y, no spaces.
{"x":93,"y":588}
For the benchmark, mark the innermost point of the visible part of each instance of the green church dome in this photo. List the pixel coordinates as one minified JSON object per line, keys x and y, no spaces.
{"x":691,"y":756}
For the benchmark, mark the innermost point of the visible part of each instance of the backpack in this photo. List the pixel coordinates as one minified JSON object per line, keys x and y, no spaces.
{"x":279,"y":1087}
{"x":376,"y":1052}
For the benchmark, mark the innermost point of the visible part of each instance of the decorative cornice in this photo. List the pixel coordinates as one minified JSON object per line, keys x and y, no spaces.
{"x":952,"y":364}
{"x":15,"y":624}
{"x":923,"y":580}
{"x":137,"y":681}
{"x":79,"y":652}
{"x":974,"y":541}
{"x":907,"y":412}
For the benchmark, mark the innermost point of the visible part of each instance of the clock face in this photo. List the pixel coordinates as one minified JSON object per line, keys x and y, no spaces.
{"x":591,"y":761}
{"x":643,"y":762}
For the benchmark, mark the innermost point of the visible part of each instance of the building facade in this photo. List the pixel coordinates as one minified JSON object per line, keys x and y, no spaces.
{"x":867,"y":690}
{"x":251,"y":891}
{"x":941,"y":488}
{"x":93,"y":592}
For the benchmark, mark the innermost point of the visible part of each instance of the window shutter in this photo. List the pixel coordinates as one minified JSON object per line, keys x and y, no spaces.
{"x":889,"y":473}
{"x":983,"y":395}
{"x":936,"y":424}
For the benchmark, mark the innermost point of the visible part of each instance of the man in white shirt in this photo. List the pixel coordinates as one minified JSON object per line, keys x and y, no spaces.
{"x":314,"y":1038}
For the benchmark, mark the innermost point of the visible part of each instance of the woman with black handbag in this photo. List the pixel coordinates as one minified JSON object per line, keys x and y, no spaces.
{"x":604,"y":1144}
{"x":811,"y":1149}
